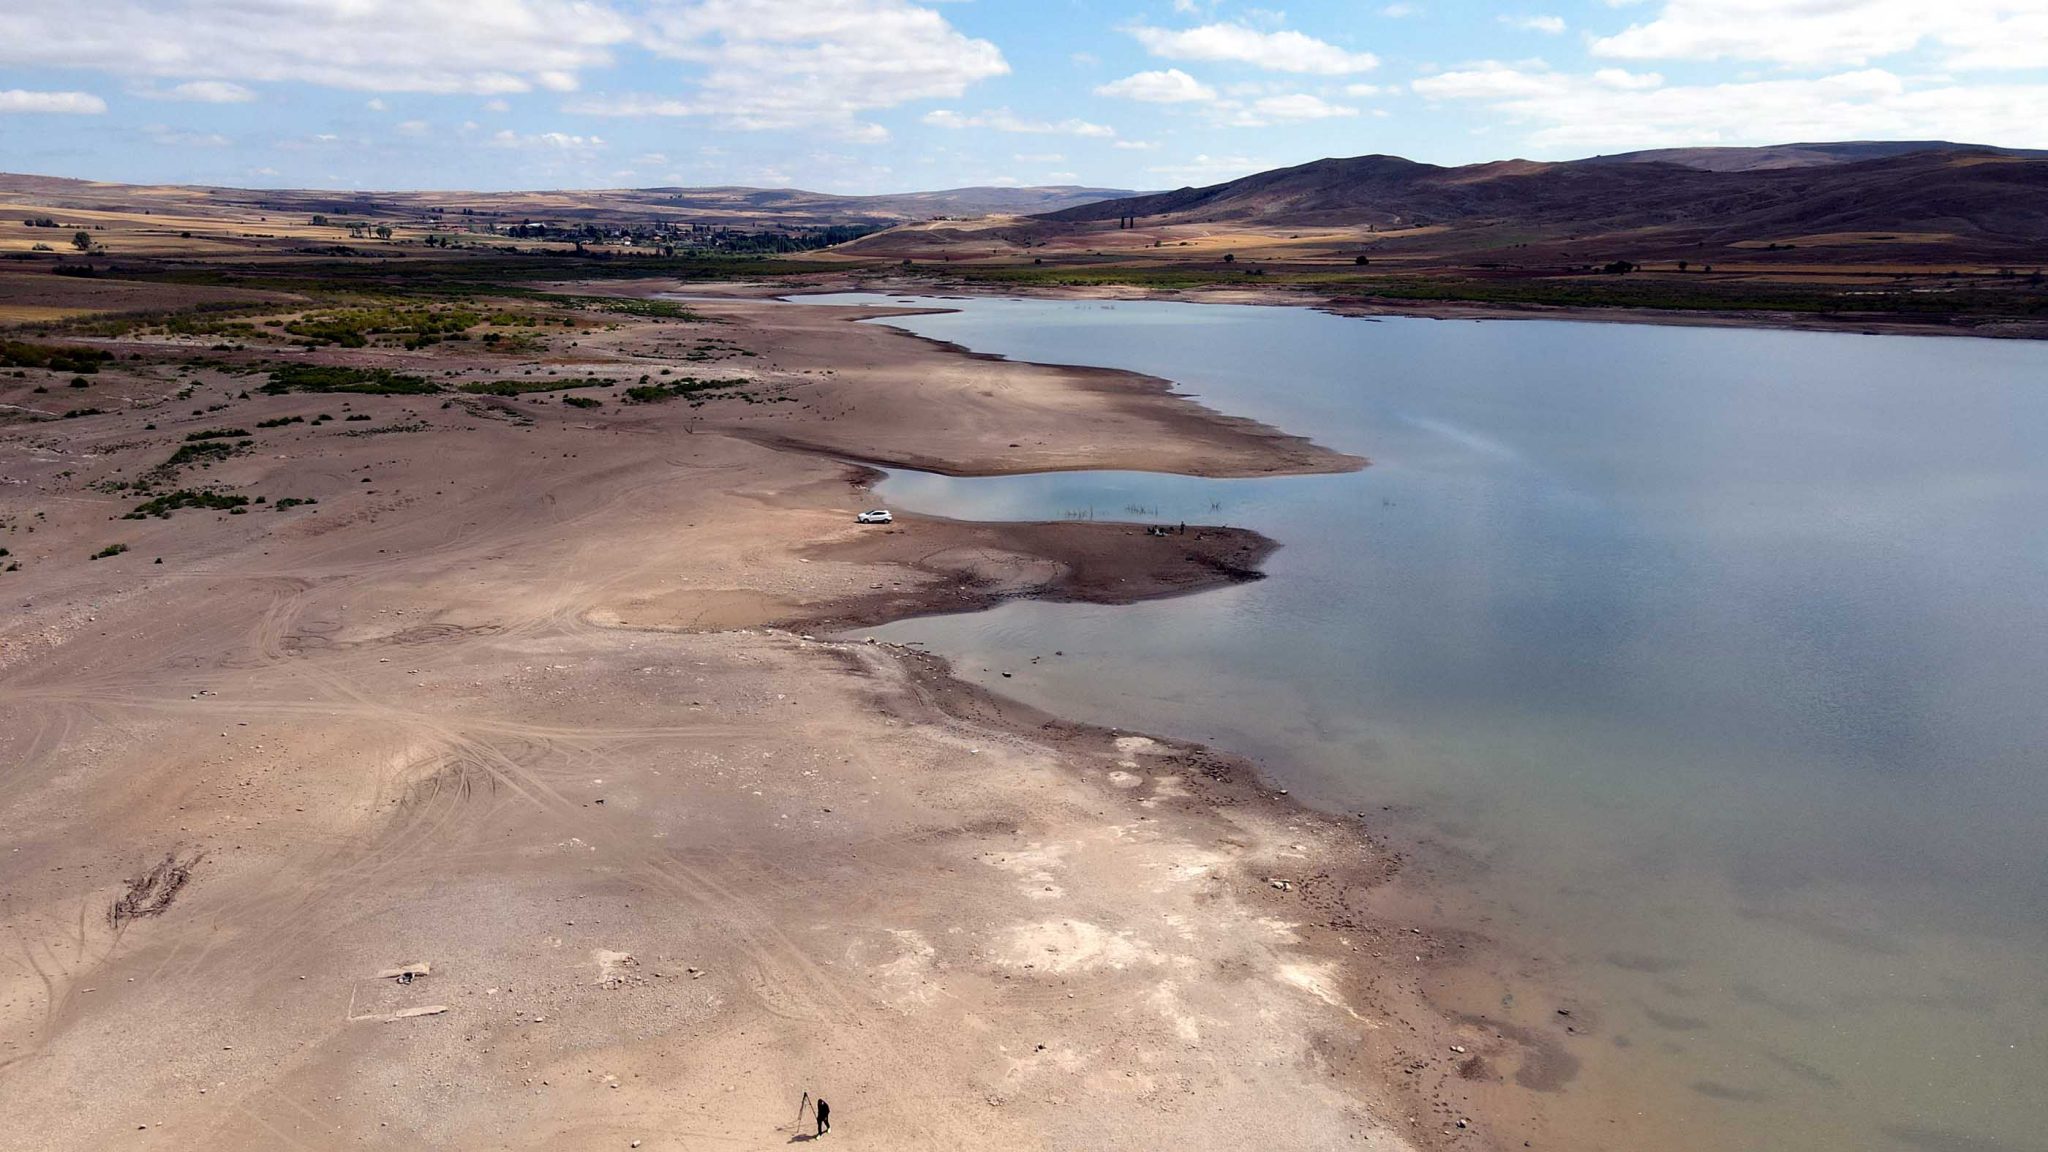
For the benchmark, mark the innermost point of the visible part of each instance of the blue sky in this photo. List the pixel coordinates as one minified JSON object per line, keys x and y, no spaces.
{"x":888,"y":95}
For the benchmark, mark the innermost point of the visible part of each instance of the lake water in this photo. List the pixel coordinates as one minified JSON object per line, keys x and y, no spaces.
{"x":1704,"y":668}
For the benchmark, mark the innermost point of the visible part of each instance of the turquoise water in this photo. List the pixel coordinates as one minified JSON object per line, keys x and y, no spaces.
{"x":1704,"y":666}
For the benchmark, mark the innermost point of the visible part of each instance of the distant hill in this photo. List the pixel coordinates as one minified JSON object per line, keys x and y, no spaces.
{"x":734,"y":206}
{"x":1985,"y":200}
{"x":1799,"y":155}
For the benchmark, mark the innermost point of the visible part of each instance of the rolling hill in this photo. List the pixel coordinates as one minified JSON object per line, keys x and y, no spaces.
{"x":724,"y":206}
{"x":1985,"y":202}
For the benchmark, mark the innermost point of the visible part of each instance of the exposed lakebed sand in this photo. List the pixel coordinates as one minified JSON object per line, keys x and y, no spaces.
{"x":503,"y":798}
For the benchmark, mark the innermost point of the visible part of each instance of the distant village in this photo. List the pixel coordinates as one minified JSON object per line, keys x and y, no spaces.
{"x":661,"y":237}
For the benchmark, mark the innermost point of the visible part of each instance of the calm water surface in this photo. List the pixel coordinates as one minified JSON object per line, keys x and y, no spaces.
{"x":1705,"y":665}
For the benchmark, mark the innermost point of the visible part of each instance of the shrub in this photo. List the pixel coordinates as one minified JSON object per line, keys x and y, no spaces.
{"x":204,"y":451}
{"x":686,"y":386}
{"x":335,"y":378}
{"x":55,"y":357}
{"x":109,"y":550}
{"x":163,"y":506}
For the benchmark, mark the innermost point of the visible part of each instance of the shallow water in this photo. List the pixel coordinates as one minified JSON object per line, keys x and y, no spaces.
{"x":1704,"y":665}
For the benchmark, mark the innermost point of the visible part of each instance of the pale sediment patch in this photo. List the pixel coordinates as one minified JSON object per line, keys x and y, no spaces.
{"x":1037,"y":866}
{"x":905,"y":980}
{"x":1062,"y":946}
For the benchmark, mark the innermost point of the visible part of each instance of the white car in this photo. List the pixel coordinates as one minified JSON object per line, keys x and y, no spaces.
{"x":878,"y":516}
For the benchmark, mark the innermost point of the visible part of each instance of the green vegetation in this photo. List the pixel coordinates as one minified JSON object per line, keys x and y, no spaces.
{"x":53,"y":357}
{"x":281,"y":421}
{"x":293,"y":502}
{"x":162,"y":506}
{"x":628,"y":306}
{"x":217,"y":434}
{"x":335,"y":378}
{"x":202,"y":452}
{"x":522,"y":387}
{"x":697,"y":390}
{"x":109,"y":550}
{"x":583,"y":401}
{"x":420,"y":325}
{"x":214,"y":318}
{"x":388,"y":429}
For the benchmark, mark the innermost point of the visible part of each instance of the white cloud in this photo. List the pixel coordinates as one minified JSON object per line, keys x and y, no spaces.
{"x":1614,"y":110}
{"x":173,"y":138}
{"x":1284,"y":51}
{"x":199,"y":92}
{"x":1966,"y":34}
{"x":1003,"y":120}
{"x":786,"y":64}
{"x":75,"y":103}
{"x":1549,"y":25}
{"x":1172,"y":86}
{"x":373,"y":45}
{"x":1296,"y":106}
{"x":1137,"y":145}
{"x":548,"y":141}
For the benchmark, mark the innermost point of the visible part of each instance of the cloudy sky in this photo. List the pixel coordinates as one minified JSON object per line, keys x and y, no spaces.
{"x":883,"y":95}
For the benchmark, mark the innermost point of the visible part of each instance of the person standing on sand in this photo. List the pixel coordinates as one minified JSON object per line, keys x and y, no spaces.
{"x":824,"y":1116}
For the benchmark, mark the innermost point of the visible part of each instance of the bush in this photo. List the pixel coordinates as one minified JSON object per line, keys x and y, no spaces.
{"x":334,"y":378}
{"x":522,"y":387}
{"x":217,"y":434}
{"x":204,"y":451}
{"x":690,"y":386}
{"x":109,"y":550}
{"x":55,"y":357}
{"x":163,"y":506}
{"x":583,"y":401}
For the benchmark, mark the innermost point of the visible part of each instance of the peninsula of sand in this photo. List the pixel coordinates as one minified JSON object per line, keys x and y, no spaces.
{"x":471,"y":744}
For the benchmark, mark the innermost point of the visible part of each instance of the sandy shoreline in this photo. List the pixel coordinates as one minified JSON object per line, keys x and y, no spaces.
{"x":520,"y":698}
